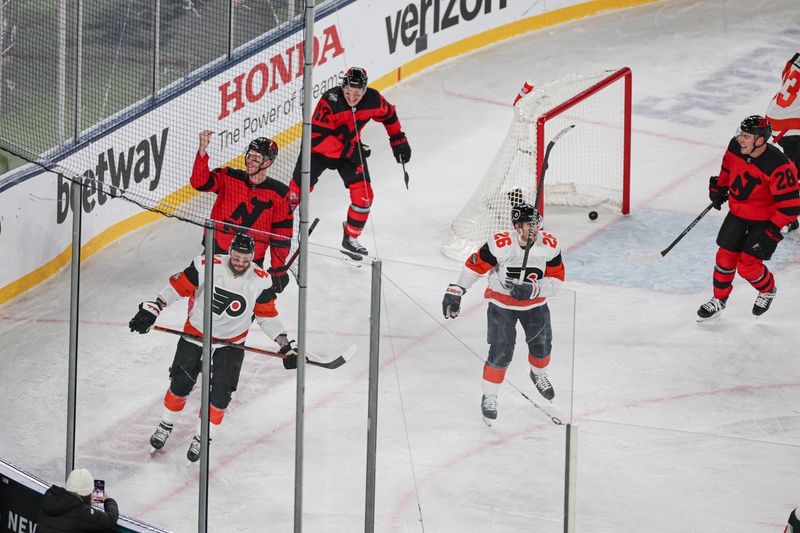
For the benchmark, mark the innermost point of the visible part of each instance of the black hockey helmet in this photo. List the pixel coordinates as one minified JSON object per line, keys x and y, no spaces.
{"x":265,"y":147}
{"x":243,"y":243}
{"x":756,"y":125}
{"x":355,"y":77}
{"x":523,"y":212}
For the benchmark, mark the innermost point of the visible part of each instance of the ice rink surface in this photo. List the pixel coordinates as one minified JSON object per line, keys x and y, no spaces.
{"x":682,"y":426}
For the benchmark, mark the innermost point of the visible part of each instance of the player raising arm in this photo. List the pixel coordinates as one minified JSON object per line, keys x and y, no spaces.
{"x":339,"y":117}
{"x":249,"y":199}
{"x":510,"y":301}
{"x":241,"y":290}
{"x":761,"y":184}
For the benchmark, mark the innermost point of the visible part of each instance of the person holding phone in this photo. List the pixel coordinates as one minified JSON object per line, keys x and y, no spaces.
{"x":69,"y":508}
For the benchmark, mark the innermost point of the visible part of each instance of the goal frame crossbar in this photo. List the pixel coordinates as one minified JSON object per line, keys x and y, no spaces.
{"x":625,"y":73}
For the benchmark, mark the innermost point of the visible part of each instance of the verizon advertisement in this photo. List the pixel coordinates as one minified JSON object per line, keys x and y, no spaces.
{"x":153,"y":154}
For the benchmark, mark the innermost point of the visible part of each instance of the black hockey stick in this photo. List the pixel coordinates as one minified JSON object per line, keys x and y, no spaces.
{"x":665,"y":251}
{"x":539,"y":188}
{"x":405,"y":174}
{"x":335,"y":363}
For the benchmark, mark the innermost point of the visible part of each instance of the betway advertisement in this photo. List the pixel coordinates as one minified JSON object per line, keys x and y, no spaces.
{"x":152,"y":155}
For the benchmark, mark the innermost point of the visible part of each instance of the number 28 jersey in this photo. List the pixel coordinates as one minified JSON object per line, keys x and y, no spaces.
{"x":502,"y":256}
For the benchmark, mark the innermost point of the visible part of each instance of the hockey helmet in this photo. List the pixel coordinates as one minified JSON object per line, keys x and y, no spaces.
{"x":355,"y":77}
{"x":243,"y":243}
{"x":757,"y":126}
{"x":523,"y":212}
{"x":265,"y":147}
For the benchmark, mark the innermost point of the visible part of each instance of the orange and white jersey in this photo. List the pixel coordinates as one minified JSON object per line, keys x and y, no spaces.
{"x":783,"y":112}
{"x":501,"y":258}
{"x":235,"y":300}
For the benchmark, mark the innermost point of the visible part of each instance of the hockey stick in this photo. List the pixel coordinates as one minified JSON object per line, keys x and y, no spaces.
{"x":335,"y":363}
{"x":290,"y":262}
{"x":539,"y":188}
{"x":405,"y":174}
{"x":665,"y":251}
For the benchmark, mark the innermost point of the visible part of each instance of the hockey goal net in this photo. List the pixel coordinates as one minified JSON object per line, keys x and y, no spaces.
{"x":589,"y":166}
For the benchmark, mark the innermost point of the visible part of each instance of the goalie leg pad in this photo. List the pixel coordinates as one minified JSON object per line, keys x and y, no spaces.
{"x":185,"y":368}
{"x":225,"y":369}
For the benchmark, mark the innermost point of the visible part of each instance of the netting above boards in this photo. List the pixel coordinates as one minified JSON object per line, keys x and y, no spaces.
{"x":103,"y":99}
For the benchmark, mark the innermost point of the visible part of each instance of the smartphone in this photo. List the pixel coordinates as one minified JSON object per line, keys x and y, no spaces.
{"x":99,"y":492}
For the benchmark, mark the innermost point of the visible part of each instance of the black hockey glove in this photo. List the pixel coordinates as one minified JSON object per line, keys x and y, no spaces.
{"x":451,"y":305}
{"x":527,"y":290}
{"x":400,"y":148}
{"x":717,"y":193}
{"x":146,"y":316}
{"x":766,"y":242}
{"x":290,"y":350}
{"x":279,"y":281}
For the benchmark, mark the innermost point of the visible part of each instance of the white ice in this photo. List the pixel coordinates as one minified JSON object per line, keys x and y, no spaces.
{"x":682,"y":426}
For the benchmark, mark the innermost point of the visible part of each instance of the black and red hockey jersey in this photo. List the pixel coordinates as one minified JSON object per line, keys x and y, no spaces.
{"x":761,"y":188}
{"x":335,"y":126}
{"x":262,"y":207}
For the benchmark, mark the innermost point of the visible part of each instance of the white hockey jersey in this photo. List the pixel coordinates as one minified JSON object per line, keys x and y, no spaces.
{"x":234,"y":302}
{"x":502,"y":256}
{"x":783,"y":112}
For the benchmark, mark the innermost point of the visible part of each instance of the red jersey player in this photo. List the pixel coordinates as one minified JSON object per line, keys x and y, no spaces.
{"x":340,"y":115}
{"x":761,"y":184}
{"x":241,"y":292}
{"x":509,"y":301}
{"x":783,"y":114}
{"x":249,"y":199}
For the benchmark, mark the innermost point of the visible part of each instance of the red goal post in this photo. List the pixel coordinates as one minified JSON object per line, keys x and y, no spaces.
{"x":589,"y":166}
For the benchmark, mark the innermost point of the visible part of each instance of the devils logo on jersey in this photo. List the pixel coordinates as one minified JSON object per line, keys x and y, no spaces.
{"x":224,"y":301}
{"x":532,"y":273}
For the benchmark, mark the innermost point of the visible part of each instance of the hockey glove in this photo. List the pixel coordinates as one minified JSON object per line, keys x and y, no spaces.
{"x":527,"y":290}
{"x":766,"y":242}
{"x":451,"y":305}
{"x":717,"y":193}
{"x":279,"y":281}
{"x":400,"y":147}
{"x":290,"y":351}
{"x":366,"y":151}
{"x":146,"y":316}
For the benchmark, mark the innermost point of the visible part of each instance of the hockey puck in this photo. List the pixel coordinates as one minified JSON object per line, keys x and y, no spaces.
{"x":592,"y":215}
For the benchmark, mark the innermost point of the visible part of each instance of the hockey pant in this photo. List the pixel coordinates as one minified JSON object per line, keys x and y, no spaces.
{"x":736,"y":235}
{"x":502,"y":333}
{"x":226,"y":365}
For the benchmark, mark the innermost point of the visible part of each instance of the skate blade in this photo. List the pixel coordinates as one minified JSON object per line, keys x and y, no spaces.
{"x":701,"y":319}
{"x":355,"y":260}
{"x":487,"y":421}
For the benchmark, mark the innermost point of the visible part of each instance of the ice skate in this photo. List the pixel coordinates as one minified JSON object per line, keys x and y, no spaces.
{"x":543,"y":386}
{"x":489,"y":408}
{"x":160,"y":436}
{"x":763,"y":301}
{"x":711,"y":309}
{"x":351,"y":247}
{"x":193,"y":454}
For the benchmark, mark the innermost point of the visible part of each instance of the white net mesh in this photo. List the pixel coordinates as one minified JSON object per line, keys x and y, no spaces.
{"x":585,"y":168}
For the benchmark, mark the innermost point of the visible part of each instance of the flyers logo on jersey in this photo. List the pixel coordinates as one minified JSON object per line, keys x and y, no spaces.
{"x":512,"y":273}
{"x":224,"y":301}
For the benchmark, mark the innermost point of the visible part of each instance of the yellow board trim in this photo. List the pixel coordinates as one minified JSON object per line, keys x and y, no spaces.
{"x":291,"y":134}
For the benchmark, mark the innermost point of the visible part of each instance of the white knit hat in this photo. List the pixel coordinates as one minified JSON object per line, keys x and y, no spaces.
{"x":80,"y":481}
